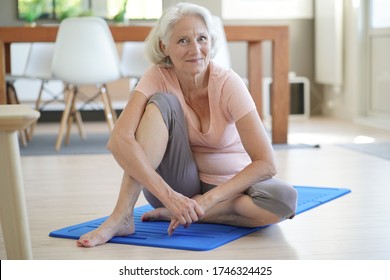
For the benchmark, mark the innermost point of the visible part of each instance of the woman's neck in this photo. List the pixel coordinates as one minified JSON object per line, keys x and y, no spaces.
{"x":191,"y":85}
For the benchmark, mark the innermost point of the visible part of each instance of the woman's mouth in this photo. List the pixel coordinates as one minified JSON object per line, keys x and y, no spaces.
{"x":194,"y":60}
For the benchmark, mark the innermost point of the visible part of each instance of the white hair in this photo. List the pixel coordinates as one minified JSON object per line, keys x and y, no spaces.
{"x":162,"y":30}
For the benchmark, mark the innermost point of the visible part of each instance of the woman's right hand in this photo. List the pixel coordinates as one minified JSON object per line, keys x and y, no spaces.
{"x":184,"y":210}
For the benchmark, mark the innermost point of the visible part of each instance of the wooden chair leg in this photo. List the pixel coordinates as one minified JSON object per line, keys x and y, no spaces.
{"x":80,"y":126}
{"x":37,"y":108}
{"x":65,"y":117}
{"x":110,"y":114}
{"x":113,"y":112}
{"x":79,"y":122}
{"x":23,"y":137}
{"x":71,"y":118}
{"x":13,"y":99}
{"x":68,"y":128}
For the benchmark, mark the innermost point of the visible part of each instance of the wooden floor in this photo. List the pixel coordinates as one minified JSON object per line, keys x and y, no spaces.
{"x":65,"y":190}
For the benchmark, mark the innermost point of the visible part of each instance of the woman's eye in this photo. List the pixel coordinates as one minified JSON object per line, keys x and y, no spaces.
{"x":202,"y":38}
{"x":183,"y":41}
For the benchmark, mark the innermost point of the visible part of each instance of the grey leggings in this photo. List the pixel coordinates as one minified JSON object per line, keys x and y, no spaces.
{"x":178,"y":167}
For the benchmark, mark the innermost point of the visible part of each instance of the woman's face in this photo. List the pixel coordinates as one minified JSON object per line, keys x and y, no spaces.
{"x":189,"y":45}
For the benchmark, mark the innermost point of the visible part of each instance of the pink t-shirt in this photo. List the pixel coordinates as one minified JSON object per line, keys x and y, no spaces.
{"x":219,"y":153}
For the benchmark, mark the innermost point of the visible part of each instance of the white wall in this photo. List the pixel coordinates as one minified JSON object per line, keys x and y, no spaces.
{"x":267,"y":9}
{"x":343,"y":101}
{"x":351,"y":100}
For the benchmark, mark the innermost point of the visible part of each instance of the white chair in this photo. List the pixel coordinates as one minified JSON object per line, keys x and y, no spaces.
{"x":133,"y":62}
{"x":222,"y":57}
{"x":37,"y":67}
{"x":85,"y":54}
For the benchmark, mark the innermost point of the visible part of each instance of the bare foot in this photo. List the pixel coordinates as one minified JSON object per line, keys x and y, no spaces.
{"x":158,"y":214}
{"x":110,"y":228}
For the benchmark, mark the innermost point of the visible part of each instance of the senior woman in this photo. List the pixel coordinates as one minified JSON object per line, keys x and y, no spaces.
{"x":190,"y":138}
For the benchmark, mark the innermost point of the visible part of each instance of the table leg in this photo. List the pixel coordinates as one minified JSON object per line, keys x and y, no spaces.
{"x":13,"y":208}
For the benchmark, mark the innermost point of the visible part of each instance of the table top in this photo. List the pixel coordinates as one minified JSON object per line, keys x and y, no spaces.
{"x":123,"y":33}
{"x":16,"y":117}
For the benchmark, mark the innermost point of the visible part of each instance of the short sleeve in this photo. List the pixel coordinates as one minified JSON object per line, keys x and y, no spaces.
{"x":151,"y":82}
{"x":236,"y":97}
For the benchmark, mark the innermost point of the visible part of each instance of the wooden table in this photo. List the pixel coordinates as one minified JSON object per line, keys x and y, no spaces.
{"x":253,"y":35}
{"x":13,"y":212}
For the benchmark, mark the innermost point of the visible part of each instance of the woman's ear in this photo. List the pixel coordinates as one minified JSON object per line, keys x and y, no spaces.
{"x":163,"y":47}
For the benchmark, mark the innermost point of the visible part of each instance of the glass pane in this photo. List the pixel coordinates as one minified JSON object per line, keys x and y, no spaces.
{"x":134,"y":9}
{"x":70,"y":8}
{"x":31,"y":10}
{"x":380,"y":13}
{"x":114,"y":7}
{"x":147,"y":9}
{"x":118,"y":10}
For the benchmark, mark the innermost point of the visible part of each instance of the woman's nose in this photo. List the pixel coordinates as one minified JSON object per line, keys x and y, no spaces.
{"x":195,"y":47}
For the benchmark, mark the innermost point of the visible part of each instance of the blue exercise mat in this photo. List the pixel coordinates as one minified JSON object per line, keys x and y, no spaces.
{"x":198,"y":237}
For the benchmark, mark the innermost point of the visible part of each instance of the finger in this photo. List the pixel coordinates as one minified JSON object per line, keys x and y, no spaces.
{"x":194,"y":213}
{"x":194,"y":216}
{"x":188,"y":217}
{"x":172,"y":227}
{"x":199,"y":210}
{"x":174,"y":224}
{"x":180,"y":219}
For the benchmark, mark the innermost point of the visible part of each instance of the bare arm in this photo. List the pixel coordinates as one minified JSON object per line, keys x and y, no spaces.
{"x":262,"y":167}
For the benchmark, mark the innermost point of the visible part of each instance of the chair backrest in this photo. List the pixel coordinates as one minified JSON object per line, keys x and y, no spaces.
{"x":39,"y":61}
{"x":85,"y":52}
{"x":222,"y":56}
{"x":133,"y":61}
{"x":19,"y":57}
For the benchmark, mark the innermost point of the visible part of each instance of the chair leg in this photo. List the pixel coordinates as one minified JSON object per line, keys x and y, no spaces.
{"x":71,"y":117}
{"x":22,"y":135}
{"x":68,"y":127}
{"x":75,"y":115}
{"x":65,"y":117}
{"x":113,"y":112}
{"x":13,"y":99}
{"x":37,"y":107}
{"x":80,"y":126}
{"x":110,"y":114}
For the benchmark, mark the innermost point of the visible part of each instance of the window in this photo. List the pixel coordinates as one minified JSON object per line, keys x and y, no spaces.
{"x":135,"y":9}
{"x":30,"y":10}
{"x":380,"y":16}
{"x":267,"y":9}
